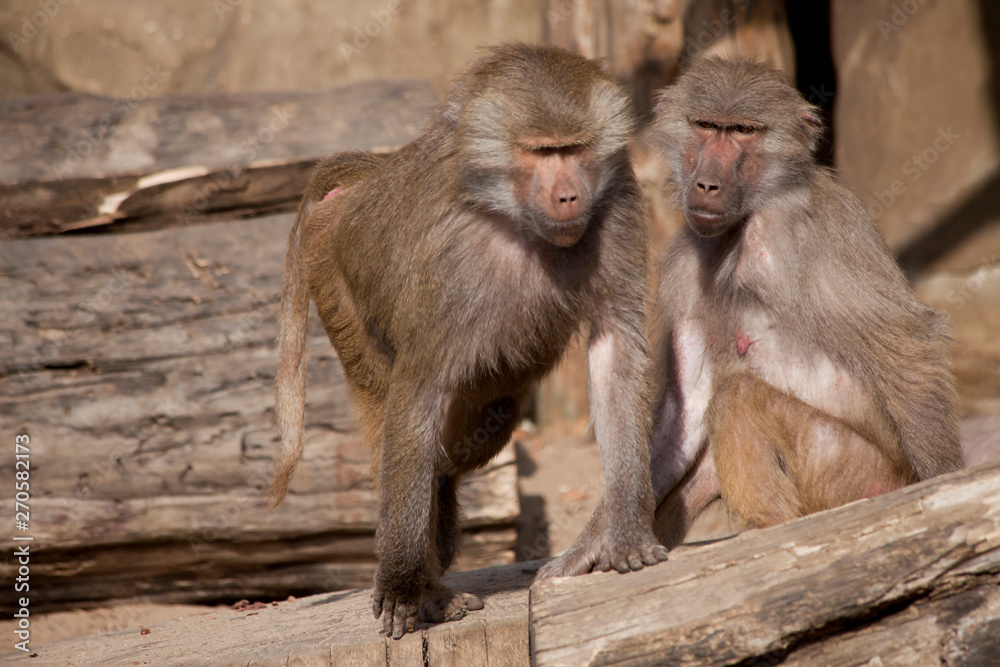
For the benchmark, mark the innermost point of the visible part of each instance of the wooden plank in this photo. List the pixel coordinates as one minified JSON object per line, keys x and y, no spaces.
{"x":457,"y":646}
{"x":909,"y":577}
{"x":72,"y":161}
{"x":331,"y":629}
{"x":506,"y":643}
{"x":155,"y":351}
{"x":223,"y":571}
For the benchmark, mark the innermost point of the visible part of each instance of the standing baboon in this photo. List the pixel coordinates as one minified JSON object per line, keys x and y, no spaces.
{"x":795,"y":369}
{"x":450,"y":277}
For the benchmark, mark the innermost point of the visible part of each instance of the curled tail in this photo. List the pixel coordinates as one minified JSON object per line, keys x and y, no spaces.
{"x":332,"y":174}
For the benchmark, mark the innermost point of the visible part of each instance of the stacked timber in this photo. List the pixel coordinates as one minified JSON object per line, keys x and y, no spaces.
{"x":74,"y":161}
{"x":907,"y":578}
{"x":140,"y":362}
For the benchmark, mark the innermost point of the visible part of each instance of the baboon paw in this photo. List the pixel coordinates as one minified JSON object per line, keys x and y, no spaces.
{"x":604,"y":559}
{"x":569,"y":564}
{"x":399,"y":614}
{"x":631,"y":558}
{"x":401,"y":611}
{"x":441,"y":604}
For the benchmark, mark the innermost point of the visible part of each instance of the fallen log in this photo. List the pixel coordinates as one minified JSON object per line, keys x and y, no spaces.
{"x":331,"y":629}
{"x":905,"y":578}
{"x":141,"y":367}
{"x":73,"y":161}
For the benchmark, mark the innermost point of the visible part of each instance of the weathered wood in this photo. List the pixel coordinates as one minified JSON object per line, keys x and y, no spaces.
{"x":906,"y":578}
{"x":330,"y":629}
{"x":640,"y":39}
{"x":141,"y":367}
{"x":75,"y":161}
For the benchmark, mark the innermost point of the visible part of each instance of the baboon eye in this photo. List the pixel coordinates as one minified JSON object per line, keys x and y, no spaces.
{"x":706,"y":125}
{"x":745,"y":129}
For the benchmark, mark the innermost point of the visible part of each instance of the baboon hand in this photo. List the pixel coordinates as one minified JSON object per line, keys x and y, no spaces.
{"x":400,"y":608}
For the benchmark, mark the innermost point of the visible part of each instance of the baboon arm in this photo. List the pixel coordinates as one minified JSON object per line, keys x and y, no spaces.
{"x":619,"y":535}
{"x":408,"y":458}
{"x":617,"y":361}
{"x":903,"y":362}
{"x":679,"y":429}
{"x":408,"y":568}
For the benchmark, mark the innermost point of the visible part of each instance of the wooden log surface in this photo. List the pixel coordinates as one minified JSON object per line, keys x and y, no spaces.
{"x":73,"y":161}
{"x":907,"y":578}
{"x":910,"y":577}
{"x":141,"y":366}
{"x":330,"y":629}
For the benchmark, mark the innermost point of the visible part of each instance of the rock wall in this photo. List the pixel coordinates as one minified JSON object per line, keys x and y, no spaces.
{"x":918,"y":137}
{"x":122,"y":48}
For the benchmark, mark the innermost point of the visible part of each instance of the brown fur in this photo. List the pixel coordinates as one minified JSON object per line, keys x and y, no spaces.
{"x":796,"y":369}
{"x":450,"y":278}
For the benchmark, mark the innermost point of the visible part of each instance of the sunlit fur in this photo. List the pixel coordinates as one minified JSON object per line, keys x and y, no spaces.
{"x":448,"y":299}
{"x":747,"y":91}
{"x":795,"y":368}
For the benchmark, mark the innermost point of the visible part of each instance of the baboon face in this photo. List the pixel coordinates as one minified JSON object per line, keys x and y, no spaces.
{"x":736,"y":136}
{"x":555,"y":186}
{"x":540,"y":134}
{"x":724,"y":163}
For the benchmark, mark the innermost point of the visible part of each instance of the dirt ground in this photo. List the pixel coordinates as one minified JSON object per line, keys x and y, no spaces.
{"x":560,"y":483}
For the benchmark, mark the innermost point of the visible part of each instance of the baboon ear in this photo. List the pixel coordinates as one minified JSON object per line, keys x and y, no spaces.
{"x":812,"y":127}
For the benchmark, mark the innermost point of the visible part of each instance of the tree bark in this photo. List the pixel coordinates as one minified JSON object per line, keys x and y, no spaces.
{"x":74,"y":161}
{"x":141,"y":367}
{"x":905,"y":578}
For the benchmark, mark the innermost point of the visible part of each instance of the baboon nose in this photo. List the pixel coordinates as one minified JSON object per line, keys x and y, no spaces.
{"x":708,"y":186}
{"x":566,"y":202}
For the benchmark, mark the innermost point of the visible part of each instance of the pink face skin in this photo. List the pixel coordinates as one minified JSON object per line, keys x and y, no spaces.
{"x":723,"y":161}
{"x":555,"y":182}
